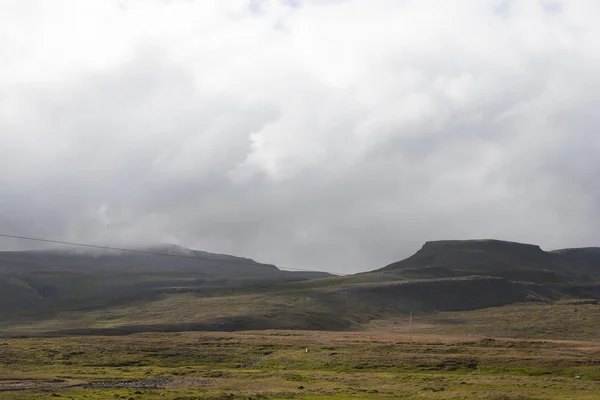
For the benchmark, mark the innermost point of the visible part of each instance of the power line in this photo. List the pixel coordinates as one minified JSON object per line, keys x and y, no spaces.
{"x":154,"y":253}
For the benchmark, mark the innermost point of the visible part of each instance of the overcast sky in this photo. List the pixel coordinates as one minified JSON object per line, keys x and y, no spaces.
{"x":320,"y":134}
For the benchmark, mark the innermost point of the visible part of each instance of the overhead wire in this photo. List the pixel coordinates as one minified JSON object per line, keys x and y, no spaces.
{"x":148,"y":252}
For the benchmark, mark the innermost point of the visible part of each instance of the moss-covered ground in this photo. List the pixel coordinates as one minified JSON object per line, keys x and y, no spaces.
{"x":276,"y":365}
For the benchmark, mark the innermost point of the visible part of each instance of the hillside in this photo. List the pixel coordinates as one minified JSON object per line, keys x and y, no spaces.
{"x":510,"y":260}
{"x":331,"y":304}
{"x":52,"y":278}
{"x":126,"y":293}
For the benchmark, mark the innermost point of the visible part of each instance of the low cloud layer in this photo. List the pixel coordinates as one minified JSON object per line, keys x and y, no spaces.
{"x":318,"y":134}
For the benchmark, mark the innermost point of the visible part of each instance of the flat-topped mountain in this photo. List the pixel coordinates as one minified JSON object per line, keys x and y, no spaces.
{"x":29,"y":279}
{"x":177,"y":289}
{"x":511,"y":260}
{"x":585,"y":259}
{"x":171,"y":259}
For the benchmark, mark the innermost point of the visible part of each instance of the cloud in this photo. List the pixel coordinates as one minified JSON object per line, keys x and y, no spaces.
{"x":334,"y":135}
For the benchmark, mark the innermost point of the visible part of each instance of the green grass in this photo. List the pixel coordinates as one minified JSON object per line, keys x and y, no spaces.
{"x":275,"y":365}
{"x":332,"y":304}
{"x":558,"y":320}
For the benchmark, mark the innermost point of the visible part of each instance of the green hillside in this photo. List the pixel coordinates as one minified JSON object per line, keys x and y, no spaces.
{"x":124,"y":293}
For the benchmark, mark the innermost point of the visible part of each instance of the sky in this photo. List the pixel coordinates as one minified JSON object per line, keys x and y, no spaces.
{"x":336,"y":135}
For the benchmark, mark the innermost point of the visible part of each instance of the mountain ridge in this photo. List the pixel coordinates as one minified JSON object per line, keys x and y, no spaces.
{"x":451,"y":275}
{"x":40,"y":278}
{"x":507,"y":259}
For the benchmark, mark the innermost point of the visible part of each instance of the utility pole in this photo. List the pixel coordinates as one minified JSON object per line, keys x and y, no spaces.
{"x":410,"y":325}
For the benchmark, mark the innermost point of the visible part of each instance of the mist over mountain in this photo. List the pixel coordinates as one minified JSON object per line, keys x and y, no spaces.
{"x":30,"y":279}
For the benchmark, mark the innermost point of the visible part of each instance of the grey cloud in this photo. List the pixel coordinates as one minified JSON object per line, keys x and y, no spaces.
{"x":269,"y":157}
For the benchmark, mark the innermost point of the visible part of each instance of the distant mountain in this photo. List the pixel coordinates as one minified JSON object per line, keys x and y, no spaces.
{"x":102,"y":292}
{"x":510,"y":260}
{"x":30,"y":279}
{"x":584,"y":260}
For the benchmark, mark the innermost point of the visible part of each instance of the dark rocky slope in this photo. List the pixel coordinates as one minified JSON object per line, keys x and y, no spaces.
{"x":514,"y":261}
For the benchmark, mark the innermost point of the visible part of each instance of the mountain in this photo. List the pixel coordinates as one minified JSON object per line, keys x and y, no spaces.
{"x":99,"y":292}
{"x":33,"y":279}
{"x":510,"y":260}
{"x":585,"y":260}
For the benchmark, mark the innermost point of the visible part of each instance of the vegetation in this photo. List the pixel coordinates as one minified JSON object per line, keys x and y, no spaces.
{"x":50,"y":293}
{"x":275,"y":365}
{"x":569,"y":320}
{"x":492,"y":320}
{"x":343,"y":306}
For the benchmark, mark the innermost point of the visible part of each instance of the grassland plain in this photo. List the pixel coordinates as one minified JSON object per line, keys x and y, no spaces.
{"x":275,"y":365}
{"x":564,"y":319}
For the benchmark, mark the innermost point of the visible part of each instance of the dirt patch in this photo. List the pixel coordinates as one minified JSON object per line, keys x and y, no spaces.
{"x":190,"y":382}
{"x":12,"y":385}
{"x":160,"y":382}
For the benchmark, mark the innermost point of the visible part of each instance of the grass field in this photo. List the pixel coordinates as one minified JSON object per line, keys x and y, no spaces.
{"x":275,"y":365}
{"x":522,"y":351}
{"x":563,"y":319}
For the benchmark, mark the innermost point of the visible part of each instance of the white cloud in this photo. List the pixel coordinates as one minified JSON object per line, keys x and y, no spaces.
{"x":329,"y":134}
